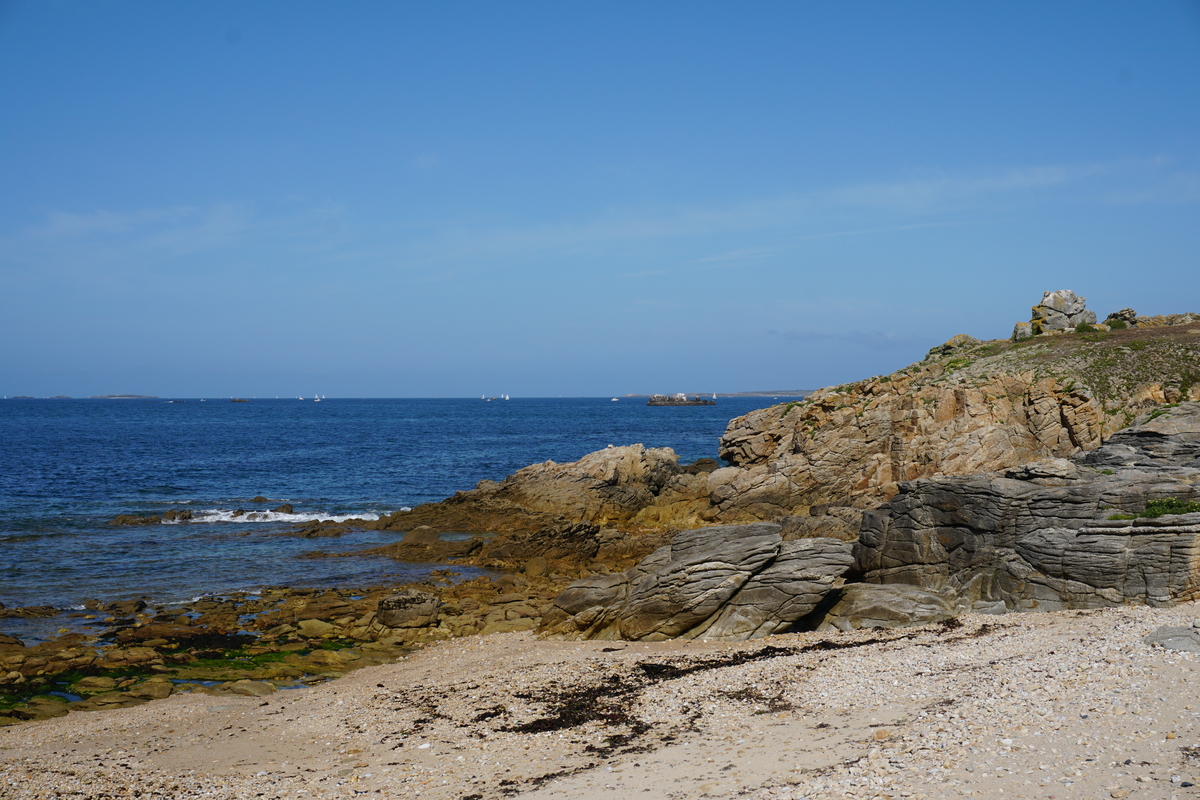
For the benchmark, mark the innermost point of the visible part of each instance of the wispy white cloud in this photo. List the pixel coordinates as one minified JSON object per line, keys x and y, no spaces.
{"x":645,"y":274}
{"x":180,"y":229}
{"x":883,"y":206}
{"x":328,"y":233}
{"x":743,"y":255}
{"x":65,"y":225}
{"x":865,"y":339}
{"x":128,"y":240}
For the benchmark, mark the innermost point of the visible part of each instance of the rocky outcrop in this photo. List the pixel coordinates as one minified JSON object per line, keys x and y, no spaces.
{"x":725,"y":582}
{"x":604,"y":488}
{"x":1045,"y":535}
{"x":863,"y":441}
{"x":1126,"y":316}
{"x":1062,"y":310}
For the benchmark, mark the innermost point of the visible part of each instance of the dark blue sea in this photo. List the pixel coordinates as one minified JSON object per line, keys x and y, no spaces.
{"x":69,"y":466}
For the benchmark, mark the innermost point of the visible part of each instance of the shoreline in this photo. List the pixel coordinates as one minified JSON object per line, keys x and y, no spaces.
{"x":1070,"y":703}
{"x":257,"y":644}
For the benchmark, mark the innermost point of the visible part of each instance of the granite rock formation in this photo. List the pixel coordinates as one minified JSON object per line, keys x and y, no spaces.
{"x":725,"y":582}
{"x":1125,"y":315}
{"x":1062,"y":310}
{"x":603,"y":488}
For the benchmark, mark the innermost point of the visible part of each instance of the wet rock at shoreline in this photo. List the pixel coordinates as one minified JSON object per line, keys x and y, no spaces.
{"x":421,"y":536}
{"x":27,"y":612}
{"x":408,"y":609}
{"x":282,"y":636}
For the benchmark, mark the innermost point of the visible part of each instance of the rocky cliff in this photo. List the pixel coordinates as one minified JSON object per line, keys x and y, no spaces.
{"x":1054,"y":534}
{"x":1040,"y":536}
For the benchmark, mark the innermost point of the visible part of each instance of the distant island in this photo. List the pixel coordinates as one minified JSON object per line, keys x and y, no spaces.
{"x":780,"y":393}
{"x":679,"y":400}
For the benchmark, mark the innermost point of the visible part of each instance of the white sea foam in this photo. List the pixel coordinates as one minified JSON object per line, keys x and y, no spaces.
{"x":227,"y":515}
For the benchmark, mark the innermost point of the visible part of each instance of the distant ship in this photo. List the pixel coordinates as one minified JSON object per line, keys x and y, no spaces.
{"x":680,"y":399}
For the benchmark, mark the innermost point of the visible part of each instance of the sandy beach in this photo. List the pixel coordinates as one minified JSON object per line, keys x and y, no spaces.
{"x":1047,"y":705}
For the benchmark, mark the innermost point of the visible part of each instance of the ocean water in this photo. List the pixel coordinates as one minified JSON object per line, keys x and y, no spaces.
{"x":69,"y":466}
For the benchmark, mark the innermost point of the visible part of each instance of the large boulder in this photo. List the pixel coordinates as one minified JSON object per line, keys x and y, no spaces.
{"x":1061,"y":310}
{"x":1046,"y":536}
{"x":422,"y":535}
{"x":724,"y":582}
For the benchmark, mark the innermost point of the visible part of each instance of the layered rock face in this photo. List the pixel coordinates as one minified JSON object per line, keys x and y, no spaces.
{"x":1041,"y":536}
{"x":725,"y":582}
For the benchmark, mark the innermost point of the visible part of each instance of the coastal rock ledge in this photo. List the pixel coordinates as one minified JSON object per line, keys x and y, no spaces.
{"x":728,"y":582}
{"x":1041,"y":535}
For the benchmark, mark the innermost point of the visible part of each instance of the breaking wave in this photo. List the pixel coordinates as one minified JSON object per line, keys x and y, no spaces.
{"x":225,"y":515}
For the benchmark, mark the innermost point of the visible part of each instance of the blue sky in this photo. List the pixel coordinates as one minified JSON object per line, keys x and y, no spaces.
{"x":451,"y":199}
